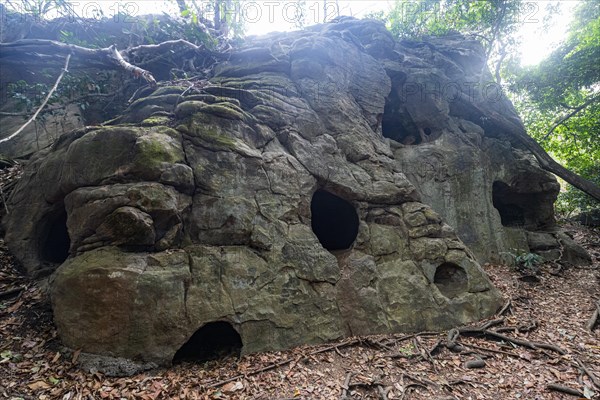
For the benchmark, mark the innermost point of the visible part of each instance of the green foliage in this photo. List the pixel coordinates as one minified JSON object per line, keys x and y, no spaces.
{"x":528,"y":260}
{"x":559,"y":101}
{"x":42,"y":9}
{"x":524,"y":261}
{"x":571,"y":200}
{"x":492,"y":21}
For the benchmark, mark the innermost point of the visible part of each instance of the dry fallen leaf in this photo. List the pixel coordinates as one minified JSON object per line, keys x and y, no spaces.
{"x":39,"y":385}
{"x":232,"y":387}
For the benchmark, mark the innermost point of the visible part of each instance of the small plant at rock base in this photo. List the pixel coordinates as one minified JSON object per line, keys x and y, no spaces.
{"x":528,"y":260}
{"x":525,"y":262}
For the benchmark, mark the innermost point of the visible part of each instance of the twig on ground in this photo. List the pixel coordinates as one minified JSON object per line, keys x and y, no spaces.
{"x":282,"y":363}
{"x":346,"y":386}
{"x":588,"y":372}
{"x":564,"y":389}
{"x":382,"y":392}
{"x":592,"y":322}
{"x":505,"y":307}
{"x":520,"y":342}
{"x":506,"y":353}
{"x":411,"y":385}
{"x":11,"y":292}
{"x":491,"y":323}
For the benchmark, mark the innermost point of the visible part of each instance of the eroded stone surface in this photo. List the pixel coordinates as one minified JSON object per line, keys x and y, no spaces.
{"x":195,"y":206}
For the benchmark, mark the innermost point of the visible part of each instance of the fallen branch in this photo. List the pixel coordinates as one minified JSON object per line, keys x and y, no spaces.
{"x":11,"y":292}
{"x":564,"y":389}
{"x":506,"y":307}
{"x":382,"y":392}
{"x":520,"y":342}
{"x":282,"y":363}
{"x":346,"y":386}
{"x":136,"y":71}
{"x":588,"y":372}
{"x":592,"y":322}
{"x":506,"y":353}
{"x":41,"y":107}
{"x":109,"y":55}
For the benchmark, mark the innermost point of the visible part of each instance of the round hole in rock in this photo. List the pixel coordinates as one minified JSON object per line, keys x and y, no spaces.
{"x":212,"y":341}
{"x":55,"y":241}
{"x":451,"y":279}
{"x":334,"y":221}
{"x":427,"y":131}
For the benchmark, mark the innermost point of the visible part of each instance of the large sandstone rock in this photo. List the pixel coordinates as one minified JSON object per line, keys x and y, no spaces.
{"x":304,"y":195}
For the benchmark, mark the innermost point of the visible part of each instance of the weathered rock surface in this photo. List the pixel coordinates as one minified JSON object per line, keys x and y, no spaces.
{"x":292,"y":198}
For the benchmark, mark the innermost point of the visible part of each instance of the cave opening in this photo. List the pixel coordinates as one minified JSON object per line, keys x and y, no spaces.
{"x":55,"y":241}
{"x":450,"y":279}
{"x":396,"y":123}
{"x":212,"y":341}
{"x":334,"y":220}
{"x":510,"y":205}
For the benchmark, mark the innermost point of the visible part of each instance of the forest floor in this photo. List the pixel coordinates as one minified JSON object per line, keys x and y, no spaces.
{"x":552,"y":313}
{"x":537,"y":340}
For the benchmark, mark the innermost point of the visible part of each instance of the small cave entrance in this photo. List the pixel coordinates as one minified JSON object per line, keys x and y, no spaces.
{"x":397,"y":124}
{"x":55,"y":241}
{"x":334,"y":221}
{"x":212,"y":341}
{"x":517,"y":210}
{"x":450,"y":279}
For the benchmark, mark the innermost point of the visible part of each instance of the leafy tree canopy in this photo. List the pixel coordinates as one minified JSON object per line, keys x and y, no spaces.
{"x":559,"y":100}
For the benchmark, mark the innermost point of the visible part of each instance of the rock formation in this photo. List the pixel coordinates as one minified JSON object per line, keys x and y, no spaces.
{"x":309,"y":190}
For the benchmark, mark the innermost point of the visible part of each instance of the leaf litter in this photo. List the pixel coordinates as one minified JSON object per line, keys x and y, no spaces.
{"x":537,"y":347}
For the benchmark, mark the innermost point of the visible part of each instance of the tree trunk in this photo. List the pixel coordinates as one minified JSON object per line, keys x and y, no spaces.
{"x":548,"y":163}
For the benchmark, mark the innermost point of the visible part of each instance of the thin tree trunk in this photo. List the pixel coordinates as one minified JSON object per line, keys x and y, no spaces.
{"x":182,"y":6}
{"x":548,"y":163}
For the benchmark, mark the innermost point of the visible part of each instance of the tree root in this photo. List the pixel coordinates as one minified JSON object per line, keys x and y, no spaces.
{"x":564,"y":389}
{"x":594,"y":319}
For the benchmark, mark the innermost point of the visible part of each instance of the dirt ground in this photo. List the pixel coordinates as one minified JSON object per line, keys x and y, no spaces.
{"x":539,"y":339}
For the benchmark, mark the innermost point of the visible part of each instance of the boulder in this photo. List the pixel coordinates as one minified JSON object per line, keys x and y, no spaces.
{"x":323,"y":184}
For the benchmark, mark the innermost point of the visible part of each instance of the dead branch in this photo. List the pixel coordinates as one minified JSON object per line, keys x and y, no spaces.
{"x":136,"y":71}
{"x":594,"y":318}
{"x":588,"y":372}
{"x":520,"y":342}
{"x":491,"y":323}
{"x":506,"y":353}
{"x":411,"y":385}
{"x":506,"y":307}
{"x":38,"y":47}
{"x":41,"y":107}
{"x":564,"y":389}
{"x":382,"y":392}
{"x":11,"y":292}
{"x":346,"y":386}
{"x":350,"y":342}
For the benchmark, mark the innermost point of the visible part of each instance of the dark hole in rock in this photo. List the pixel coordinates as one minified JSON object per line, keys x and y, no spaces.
{"x":55,"y":241}
{"x":397,"y":123}
{"x":509,"y":205}
{"x":334,"y":221}
{"x":212,"y":341}
{"x":450,"y":279}
{"x":427,"y":131}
